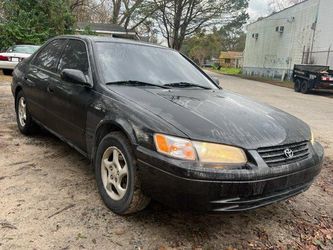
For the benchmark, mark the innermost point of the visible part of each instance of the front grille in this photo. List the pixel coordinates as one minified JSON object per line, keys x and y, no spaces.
{"x":275,"y":156}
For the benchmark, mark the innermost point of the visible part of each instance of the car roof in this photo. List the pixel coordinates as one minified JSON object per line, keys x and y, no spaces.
{"x":113,"y":40}
{"x":19,"y":45}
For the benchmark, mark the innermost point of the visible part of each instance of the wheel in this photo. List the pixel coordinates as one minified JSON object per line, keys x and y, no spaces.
{"x":24,"y":120}
{"x":297,"y":85}
{"x":116,"y":175}
{"x":7,"y":72}
{"x":305,"y":87}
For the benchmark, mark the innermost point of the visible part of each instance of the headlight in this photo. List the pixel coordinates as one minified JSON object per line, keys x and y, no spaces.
{"x":216,"y":153}
{"x":206,"y":152}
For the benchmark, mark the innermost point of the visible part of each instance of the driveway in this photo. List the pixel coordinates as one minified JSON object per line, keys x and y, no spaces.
{"x":49,"y":198}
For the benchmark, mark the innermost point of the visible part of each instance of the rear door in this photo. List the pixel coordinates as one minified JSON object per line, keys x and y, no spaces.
{"x":69,"y":101}
{"x":41,"y":72}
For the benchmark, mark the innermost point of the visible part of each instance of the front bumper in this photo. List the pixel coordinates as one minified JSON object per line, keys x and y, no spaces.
{"x":185,"y":185}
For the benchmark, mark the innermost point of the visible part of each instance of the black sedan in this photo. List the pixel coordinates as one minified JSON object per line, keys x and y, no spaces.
{"x":156,"y":126}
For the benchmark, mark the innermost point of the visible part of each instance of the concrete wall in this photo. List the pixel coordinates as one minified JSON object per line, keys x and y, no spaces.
{"x":324,"y":35}
{"x":273,"y":54}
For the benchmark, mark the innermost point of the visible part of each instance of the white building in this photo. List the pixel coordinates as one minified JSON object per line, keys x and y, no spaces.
{"x":107,"y":29}
{"x":302,"y":33}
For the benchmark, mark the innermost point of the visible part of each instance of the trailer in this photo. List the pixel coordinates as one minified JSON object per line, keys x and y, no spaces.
{"x":308,"y":77}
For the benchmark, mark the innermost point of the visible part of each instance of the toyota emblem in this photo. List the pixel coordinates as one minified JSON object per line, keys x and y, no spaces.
{"x":289,"y":153}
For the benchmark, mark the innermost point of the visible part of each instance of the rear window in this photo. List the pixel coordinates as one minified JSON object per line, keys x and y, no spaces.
{"x":27,"y":49}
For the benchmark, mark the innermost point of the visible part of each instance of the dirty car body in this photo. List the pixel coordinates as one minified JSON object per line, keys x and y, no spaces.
{"x":281,"y":157}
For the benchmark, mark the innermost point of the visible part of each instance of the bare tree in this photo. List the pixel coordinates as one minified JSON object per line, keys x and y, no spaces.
{"x":178,"y":19}
{"x":90,"y":10}
{"x":128,"y":13}
{"x":278,"y":5}
{"x":1,"y":11}
{"x":74,"y":4}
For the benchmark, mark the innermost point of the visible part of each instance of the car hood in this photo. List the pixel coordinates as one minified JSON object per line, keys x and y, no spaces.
{"x":219,"y":116}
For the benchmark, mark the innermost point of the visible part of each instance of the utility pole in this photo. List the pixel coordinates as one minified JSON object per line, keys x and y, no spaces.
{"x":328,"y":55}
{"x":314,"y":27}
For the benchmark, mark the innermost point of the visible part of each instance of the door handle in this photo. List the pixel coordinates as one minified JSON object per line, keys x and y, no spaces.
{"x":27,"y":79}
{"x":50,"y":90}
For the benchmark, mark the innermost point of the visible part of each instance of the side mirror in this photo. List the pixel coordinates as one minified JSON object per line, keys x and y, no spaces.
{"x":75,"y":76}
{"x":216,"y":80}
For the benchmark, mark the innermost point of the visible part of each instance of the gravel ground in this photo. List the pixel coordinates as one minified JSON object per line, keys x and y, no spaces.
{"x":49,"y":198}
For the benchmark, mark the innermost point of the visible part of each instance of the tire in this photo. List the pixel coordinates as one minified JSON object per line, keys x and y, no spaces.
{"x":24,"y":119}
{"x":297,"y":85}
{"x":118,"y":186}
{"x":7,"y":72}
{"x":305,"y":87}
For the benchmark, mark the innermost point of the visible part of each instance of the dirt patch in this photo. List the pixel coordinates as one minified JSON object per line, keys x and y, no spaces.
{"x":4,"y":80}
{"x":326,"y":184}
{"x":49,"y":200}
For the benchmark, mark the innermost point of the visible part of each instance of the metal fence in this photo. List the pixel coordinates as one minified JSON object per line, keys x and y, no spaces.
{"x":320,"y":57}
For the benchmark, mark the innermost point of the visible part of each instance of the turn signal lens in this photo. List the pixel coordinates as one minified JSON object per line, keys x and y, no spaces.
{"x":174,"y":147}
{"x":216,"y":153}
{"x":312,"y":138}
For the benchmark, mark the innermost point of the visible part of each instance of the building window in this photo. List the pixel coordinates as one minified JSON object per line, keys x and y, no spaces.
{"x":227,"y":60}
{"x":255,"y":35}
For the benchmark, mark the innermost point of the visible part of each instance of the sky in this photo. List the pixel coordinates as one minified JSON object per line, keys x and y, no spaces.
{"x":258,"y":8}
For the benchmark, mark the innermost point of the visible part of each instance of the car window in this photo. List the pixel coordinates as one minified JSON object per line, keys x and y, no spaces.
{"x":48,"y":57}
{"x":28,"y":49}
{"x":75,"y":57}
{"x":124,"y":62}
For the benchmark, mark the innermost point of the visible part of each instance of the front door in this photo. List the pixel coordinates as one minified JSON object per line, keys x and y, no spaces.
{"x":69,"y":101}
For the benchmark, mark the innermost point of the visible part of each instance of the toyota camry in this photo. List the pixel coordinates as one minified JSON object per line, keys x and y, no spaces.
{"x":155,"y":126}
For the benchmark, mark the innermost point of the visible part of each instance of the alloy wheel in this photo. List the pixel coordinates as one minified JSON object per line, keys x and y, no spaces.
{"x":22,"y":111}
{"x":114,"y":173}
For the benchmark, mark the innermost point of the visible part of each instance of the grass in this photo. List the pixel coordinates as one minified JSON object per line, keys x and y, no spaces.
{"x":227,"y":71}
{"x":238,"y":73}
{"x":231,"y":71}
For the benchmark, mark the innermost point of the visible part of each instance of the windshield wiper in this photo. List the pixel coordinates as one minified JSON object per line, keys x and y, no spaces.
{"x":136,"y":83}
{"x":185,"y":85}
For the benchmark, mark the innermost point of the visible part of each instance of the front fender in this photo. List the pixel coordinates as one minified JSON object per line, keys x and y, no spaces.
{"x":120,"y":123}
{"x":105,"y":126}
{"x":120,"y":114}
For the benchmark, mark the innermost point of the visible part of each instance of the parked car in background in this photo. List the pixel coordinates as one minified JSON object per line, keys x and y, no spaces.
{"x":154,"y":125}
{"x":15,"y":54}
{"x":308,"y":77}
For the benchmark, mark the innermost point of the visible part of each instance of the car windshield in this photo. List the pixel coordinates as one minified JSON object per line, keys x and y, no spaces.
{"x":160,"y":66}
{"x":28,"y":49}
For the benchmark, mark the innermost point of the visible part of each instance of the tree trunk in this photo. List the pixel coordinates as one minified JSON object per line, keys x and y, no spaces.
{"x":116,"y":11}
